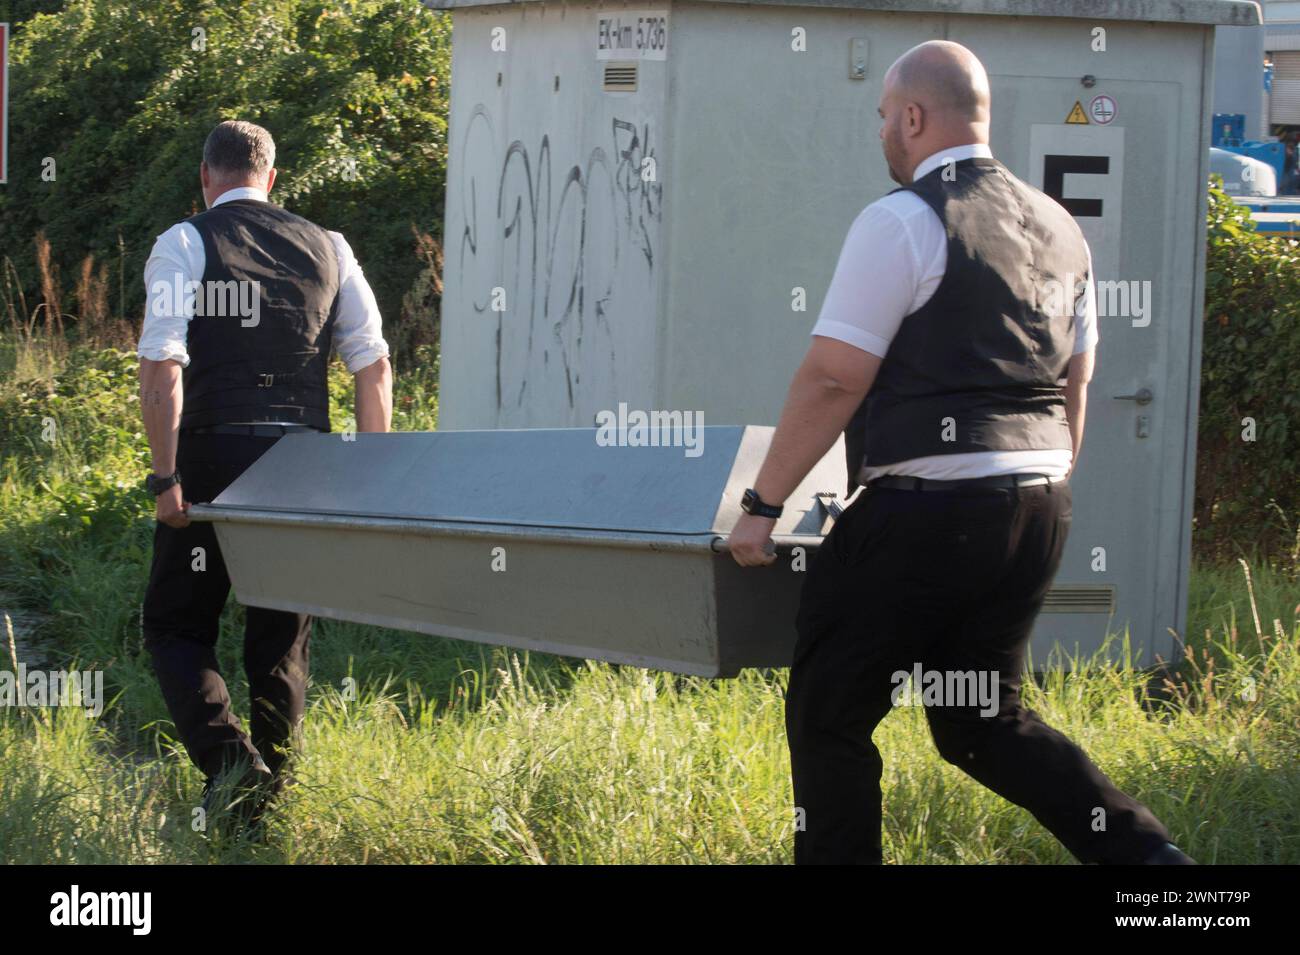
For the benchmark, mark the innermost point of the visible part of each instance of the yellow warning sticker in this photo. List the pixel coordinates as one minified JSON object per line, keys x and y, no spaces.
{"x":1077,"y":116}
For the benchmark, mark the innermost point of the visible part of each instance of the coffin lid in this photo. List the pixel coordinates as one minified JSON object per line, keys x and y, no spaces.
{"x":552,"y":478}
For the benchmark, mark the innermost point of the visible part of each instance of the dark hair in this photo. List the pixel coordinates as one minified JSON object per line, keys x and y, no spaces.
{"x":239,"y":150}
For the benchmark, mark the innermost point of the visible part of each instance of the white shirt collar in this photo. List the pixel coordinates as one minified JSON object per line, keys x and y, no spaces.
{"x":240,"y":192}
{"x":955,"y":153}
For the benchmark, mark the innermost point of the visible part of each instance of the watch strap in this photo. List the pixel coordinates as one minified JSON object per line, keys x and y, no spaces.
{"x":157,"y":485}
{"x":751,"y":503}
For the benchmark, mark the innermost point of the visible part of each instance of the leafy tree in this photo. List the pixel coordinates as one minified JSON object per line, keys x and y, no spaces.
{"x":120,"y":95}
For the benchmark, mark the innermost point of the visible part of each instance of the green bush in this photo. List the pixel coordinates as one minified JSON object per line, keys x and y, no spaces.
{"x":1247,"y":493}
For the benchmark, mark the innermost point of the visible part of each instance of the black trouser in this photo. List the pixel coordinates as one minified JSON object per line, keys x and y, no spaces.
{"x":952,"y":581}
{"x":182,"y":609}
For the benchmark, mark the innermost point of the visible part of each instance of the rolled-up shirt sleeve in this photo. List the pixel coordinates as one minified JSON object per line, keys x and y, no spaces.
{"x":358,"y":328}
{"x":169,"y":277}
{"x":874,"y":284}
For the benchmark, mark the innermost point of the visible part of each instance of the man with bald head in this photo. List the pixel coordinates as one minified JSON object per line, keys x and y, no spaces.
{"x":954,"y":350}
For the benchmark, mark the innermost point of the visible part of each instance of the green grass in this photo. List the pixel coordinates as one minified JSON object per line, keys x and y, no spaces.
{"x":425,"y":750}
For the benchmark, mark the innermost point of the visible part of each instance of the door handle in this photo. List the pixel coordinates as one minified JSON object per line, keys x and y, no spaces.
{"x":1144,"y":396}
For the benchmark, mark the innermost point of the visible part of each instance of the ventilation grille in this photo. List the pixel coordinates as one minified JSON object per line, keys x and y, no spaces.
{"x":1080,"y":598}
{"x":620,"y":77}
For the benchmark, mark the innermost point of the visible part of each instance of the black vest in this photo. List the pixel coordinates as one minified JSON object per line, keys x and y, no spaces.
{"x":988,"y":349}
{"x":273,"y":367}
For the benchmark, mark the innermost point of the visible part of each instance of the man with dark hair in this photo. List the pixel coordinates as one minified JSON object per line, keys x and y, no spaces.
{"x":956,"y":346}
{"x":245,"y":303}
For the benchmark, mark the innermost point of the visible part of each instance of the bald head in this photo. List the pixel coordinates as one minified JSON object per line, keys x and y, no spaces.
{"x":946,"y":79}
{"x":935,"y":96}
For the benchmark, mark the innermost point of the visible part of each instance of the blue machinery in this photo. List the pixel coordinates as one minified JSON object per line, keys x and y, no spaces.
{"x":1273,"y":215}
{"x":1227,"y":133}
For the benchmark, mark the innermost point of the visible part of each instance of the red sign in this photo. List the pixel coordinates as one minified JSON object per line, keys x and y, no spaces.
{"x":4,"y":102}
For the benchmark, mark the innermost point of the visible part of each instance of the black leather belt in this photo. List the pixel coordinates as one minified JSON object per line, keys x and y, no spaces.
{"x":908,"y":483}
{"x":251,"y":430}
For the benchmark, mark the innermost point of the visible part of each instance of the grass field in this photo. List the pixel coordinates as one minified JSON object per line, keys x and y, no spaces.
{"x":426,"y":750}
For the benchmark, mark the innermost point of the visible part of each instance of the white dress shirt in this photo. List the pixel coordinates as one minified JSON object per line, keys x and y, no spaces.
{"x":892,"y":261}
{"x":178,"y":257}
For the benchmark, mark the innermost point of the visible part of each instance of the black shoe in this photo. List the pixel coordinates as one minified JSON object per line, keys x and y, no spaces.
{"x":239,"y":793}
{"x":1169,"y":854}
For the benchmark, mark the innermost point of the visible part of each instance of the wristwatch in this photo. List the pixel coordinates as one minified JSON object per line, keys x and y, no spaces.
{"x":751,"y":503}
{"x":156,"y":485}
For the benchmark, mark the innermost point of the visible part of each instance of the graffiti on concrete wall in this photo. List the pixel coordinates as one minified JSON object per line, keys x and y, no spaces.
{"x":555,"y":256}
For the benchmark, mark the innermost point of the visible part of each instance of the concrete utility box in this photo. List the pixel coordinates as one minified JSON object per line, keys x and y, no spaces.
{"x":639,"y":197}
{"x":541,"y":539}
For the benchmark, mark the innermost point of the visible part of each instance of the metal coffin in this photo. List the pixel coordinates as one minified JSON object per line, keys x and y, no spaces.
{"x":539,"y":539}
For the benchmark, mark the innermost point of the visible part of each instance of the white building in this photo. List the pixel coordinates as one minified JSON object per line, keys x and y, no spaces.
{"x":1240,"y":54}
{"x":1282,"y":48}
